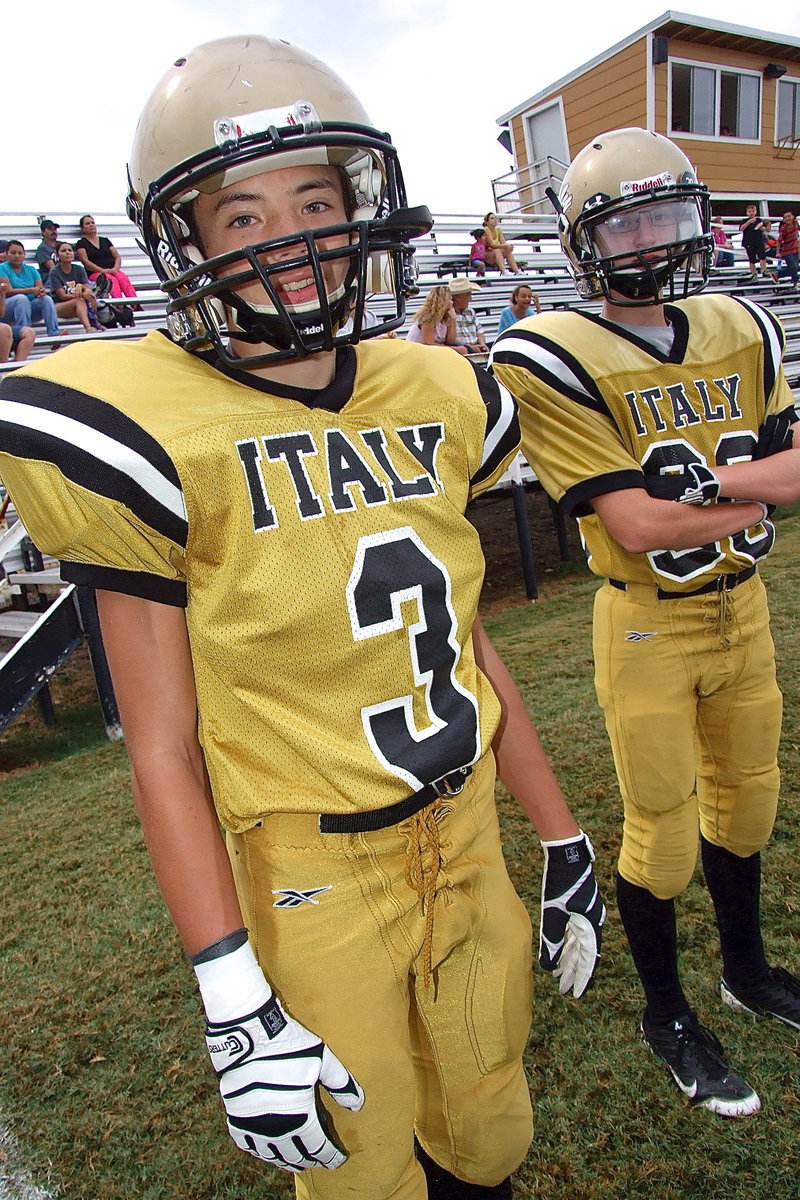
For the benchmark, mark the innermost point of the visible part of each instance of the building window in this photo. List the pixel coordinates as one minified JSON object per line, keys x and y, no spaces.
{"x":788,"y":125}
{"x":693,"y":100}
{"x":713,"y":102}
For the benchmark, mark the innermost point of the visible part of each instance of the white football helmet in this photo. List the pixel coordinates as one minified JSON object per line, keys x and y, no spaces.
{"x":633,"y":220}
{"x":236,"y":108}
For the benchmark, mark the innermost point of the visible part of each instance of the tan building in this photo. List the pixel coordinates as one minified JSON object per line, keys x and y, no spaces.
{"x":729,"y":96}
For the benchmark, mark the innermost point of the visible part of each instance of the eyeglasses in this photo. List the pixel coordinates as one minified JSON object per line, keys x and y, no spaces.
{"x":657,"y":217}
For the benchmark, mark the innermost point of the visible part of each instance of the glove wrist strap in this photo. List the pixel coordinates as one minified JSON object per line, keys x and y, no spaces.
{"x":570,"y":841}
{"x":232,"y":985}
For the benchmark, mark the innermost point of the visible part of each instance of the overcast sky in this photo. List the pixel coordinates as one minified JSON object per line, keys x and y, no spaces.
{"x":436,"y":76}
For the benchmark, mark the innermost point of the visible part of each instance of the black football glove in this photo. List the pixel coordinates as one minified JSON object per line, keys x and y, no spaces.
{"x":775,"y":435}
{"x":693,"y":484}
{"x":572,"y":914}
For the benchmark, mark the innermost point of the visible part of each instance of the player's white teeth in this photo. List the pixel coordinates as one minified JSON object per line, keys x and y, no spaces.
{"x":297,"y":286}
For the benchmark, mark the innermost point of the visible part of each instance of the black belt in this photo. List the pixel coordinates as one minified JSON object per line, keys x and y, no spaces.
{"x":392,"y":814}
{"x":722,"y":583}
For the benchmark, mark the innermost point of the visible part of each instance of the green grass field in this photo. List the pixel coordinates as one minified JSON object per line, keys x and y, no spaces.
{"x":104,"y":1080}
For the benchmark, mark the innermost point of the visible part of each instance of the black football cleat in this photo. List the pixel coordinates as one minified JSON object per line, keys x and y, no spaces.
{"x":778,"y":996}
{"x":697,"y":1064}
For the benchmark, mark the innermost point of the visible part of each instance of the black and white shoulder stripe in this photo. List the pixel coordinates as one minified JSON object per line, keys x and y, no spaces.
{"x":502,"y":425}
{"x":550,"y":362}
{"x":96,"y":446}
{"x":773,"y":337}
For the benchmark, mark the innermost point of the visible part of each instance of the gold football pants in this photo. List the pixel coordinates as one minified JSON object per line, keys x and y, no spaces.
{"x":693,"y":712}
{"x":342,"y":934}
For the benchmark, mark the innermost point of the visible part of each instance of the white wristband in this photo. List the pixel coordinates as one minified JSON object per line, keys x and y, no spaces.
{"x":232,"y":986}
{"x":566,"y":841}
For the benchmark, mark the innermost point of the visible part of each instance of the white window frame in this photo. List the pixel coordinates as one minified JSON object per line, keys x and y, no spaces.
{"x":795,"y":79}
{"x":719,"y":69}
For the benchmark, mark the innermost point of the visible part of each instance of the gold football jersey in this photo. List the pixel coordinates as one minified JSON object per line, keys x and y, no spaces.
{"x":601,"y":407}
{"x":329,"y":574}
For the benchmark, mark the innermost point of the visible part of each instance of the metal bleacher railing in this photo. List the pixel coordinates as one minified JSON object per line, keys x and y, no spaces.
{"x":439,"y":255}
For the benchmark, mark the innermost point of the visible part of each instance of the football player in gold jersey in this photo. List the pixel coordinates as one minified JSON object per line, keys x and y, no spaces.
{"x":274,"y":516}
{"x":645,"y":422}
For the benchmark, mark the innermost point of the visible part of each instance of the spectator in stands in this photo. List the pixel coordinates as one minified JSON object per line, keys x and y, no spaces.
{"x":12,"y":333}
{"x":498,"y":250}
{"x":6,"y":336}
{"x":25,"y":285}
{"x":46,"y":250}
{"x":523,"y":304}
{"x":477,"y":253}
{"x":99,"y":256}
{"x":369,"y":321}
{"x":469,"y":333}
{"x":754,"y":240}
{"x":435,"y":323}
{"x":3,"y":249}
{"x":787,"y":246}
{"x":723,"y":246}
{"x":69,"y":286}
{"x":772,"y":241}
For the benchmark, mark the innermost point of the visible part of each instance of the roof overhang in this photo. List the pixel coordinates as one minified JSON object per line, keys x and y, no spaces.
{"x":687,"y":28}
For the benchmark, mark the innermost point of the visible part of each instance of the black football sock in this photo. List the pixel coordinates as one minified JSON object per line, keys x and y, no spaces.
{"x":444,"y":1186}
{"x":735,"y":887}
{"x":649,"y":924}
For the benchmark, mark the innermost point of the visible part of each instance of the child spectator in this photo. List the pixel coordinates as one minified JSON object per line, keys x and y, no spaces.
{"x":477,"y":254}
{"x":772,"y":241}
{"x":787,"y":246}
{"x":754,"y":240}
{"x":723,"y":246}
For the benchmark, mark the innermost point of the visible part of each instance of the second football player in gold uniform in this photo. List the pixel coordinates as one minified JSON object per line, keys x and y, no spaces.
{"x":645,"y":422}
{"x":288,"y":585}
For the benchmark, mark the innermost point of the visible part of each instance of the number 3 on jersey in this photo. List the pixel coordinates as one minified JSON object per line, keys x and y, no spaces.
{"x":391,"y":568}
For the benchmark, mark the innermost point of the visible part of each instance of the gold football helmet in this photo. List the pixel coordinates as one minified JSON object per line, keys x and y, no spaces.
{"x":238,"y":107}
{"x":633,"y":220}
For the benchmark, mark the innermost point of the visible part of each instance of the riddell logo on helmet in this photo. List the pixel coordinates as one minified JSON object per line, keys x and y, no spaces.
{"x":629,"y":187}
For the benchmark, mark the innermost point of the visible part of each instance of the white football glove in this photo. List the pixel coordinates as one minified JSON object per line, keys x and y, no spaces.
{"x":572,"y":914}
{"x":268,"y":1066}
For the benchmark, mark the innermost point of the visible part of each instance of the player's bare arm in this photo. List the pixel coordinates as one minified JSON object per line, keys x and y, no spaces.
{"x":775,"y":480}
{"x":641,"y":523}
{"x":521,"y":761}
{"x":148,"y":653}
{"x":572,"y":909}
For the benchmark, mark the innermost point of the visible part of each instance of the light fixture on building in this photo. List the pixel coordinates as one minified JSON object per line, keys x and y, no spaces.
{"x":504,"y":138}
{"x":774,"y":70}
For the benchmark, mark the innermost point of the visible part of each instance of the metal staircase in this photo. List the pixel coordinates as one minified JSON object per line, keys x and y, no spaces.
{"x":50,"y":621}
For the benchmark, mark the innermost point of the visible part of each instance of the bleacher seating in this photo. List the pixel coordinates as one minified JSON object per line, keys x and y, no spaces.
{"x":440,"y":254}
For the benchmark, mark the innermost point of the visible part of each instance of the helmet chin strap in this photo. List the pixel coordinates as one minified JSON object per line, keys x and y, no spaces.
{"x":644,"y":284}
{"x":255,"y":328}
